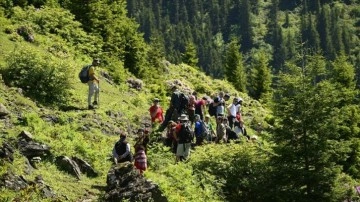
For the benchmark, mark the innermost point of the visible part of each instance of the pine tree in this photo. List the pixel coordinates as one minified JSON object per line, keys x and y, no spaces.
{"x":234,"y":67}
{"x":324,"y":26}
{"x":260,"y":77}
{"x":307,"y":140}
{"x":190,"y":55}
{"x":246,"y":31}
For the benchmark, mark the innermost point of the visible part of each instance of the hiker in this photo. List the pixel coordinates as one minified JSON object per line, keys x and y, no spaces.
{"x":219,"y":103}
{"x":140,"y":159}
{"x":93,"y":84}
{"x":191,"y":108}
{"x":172,"y":112}
{"x":171,"y":136}
{"x":184,"y":136}
{"x":241,"y":130}
{"x":142,"y":139}
{"x":233,"y":110}
{"x":211,"y":136}
{"x":121,"y":151}
{"x":156,"y":112}
{"x":220,"y":129}
{"x":198,"y":130}
{"x":200,"y":107}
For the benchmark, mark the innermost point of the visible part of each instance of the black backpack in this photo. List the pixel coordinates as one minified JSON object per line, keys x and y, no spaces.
{"x":186,"y":135}
{"x":212,"y":109}
{"x":175,"y":100}
{"x":184,"y":102}
{"x":84,"y":74}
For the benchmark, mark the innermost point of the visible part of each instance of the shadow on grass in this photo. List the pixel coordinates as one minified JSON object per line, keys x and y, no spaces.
{"x":99,"y":187}
{"x":66,"y":108}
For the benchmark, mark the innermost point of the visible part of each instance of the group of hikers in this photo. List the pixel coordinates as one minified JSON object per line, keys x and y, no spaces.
{"x":187,"y":118}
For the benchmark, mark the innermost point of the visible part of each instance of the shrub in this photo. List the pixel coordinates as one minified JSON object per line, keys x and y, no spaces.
{"x":59,"y":22}
{"x":42,"y":76}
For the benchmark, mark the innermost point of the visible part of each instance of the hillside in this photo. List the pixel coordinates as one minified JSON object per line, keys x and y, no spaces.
{"x":72,"y":130}
{"x":306,"y":114}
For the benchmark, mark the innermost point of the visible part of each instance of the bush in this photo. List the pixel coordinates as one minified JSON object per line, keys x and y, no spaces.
{"x":59,"y":22}
{"x":42,"y":76}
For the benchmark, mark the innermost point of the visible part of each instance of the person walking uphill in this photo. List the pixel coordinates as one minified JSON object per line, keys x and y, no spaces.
{"x":93,"y":84}
{"x":121,"y":151}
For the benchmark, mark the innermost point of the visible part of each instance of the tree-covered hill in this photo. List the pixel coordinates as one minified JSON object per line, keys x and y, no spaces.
{"x":302,"y":101}
{"x":280,"y":28}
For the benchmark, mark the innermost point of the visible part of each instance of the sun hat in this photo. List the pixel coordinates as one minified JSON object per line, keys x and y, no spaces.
{"x":183,"y":117}
{"x":207,"y":116}
{"x":156,"y":100}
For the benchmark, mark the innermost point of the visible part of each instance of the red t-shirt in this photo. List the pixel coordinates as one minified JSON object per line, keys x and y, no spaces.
{"x":156,"y":114}
{"x":178,"y":128}
{"x":199,"y":103}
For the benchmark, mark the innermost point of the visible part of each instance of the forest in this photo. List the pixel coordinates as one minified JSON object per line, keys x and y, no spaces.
{"x":295,"y":62}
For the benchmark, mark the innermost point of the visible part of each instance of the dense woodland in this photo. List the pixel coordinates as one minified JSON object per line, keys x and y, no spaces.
{"x":299,"y":58}
{"x":281,"y":29}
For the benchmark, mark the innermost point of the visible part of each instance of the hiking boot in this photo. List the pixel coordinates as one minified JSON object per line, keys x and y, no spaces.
{"x":91,"y":107}
{"x":95,"y":103}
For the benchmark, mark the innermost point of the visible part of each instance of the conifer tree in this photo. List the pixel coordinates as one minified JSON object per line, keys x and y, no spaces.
{"x":234,"y":66}
{"x":307,"y":140}
{"x":190,"y":55}
{"x":246,"y":31}
{"x":324,"y":26}
{"x":260,"y":77}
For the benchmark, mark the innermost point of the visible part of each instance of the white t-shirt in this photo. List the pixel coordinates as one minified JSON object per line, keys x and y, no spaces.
{"x":233,"y":109}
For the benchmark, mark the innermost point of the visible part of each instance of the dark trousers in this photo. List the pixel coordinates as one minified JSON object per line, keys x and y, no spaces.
{"x":231,"y":121}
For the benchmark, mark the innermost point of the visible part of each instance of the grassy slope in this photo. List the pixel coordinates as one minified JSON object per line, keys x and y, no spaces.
{"x":66,"y":137}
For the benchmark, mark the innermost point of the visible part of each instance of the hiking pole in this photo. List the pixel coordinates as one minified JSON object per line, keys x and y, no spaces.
{"x":98,"y":101}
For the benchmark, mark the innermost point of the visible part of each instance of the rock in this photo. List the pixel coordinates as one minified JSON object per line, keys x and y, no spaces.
{"x":7,"y":152}
{"x":13,"y":182}
{"x":26,"y":135}
{"x":28,"y":167}
{"x":34,"y":161}
{"x":17,"y":183}
{"x":124,"y":183}
{"x":107,"y":77}
{"x":45,"y":189}
{"x":66,"y":164}
{"x":26,"y":33}
{"x":32,"y":149}
{"x":85,"y":167}
{"x":135,"y":83}
{"x":50,"y":118}
{"x":3,"y":111}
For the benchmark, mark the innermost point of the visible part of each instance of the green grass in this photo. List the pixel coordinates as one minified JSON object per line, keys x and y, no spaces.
{"x":130,"y":110}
